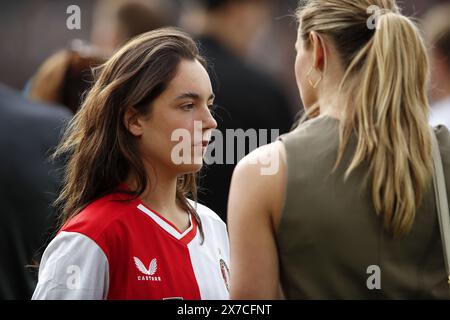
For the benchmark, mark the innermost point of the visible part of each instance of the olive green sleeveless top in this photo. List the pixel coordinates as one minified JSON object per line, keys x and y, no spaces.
{"x":332,"y":244}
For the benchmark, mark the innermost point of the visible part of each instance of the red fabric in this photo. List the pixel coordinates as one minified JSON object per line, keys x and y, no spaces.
{"x":129,"y":237}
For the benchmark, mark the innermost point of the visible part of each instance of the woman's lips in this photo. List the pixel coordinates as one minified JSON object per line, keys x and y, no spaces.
{"x":203,"y":145}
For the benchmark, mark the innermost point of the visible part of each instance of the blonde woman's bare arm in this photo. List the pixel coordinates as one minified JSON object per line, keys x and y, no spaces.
{"x":255,"y":203}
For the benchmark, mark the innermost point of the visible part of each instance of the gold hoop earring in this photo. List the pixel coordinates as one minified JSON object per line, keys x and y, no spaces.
{"x":314,"y":84}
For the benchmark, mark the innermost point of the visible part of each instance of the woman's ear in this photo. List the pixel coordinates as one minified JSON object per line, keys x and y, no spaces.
{"x":131,"y":121}
{"x":318,"y":47}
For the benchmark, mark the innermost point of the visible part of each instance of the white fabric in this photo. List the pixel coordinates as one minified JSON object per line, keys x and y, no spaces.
{"x":440,"y":113}
{"x":205,"y":258}
{"x":163,"y":224}
{"x":73,"y":267}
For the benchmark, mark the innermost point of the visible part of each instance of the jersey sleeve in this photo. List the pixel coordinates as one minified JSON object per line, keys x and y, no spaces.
{"x":73,"y":267}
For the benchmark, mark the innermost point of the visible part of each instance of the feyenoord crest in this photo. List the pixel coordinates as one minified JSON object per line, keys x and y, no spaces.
{"x":225,"y":273}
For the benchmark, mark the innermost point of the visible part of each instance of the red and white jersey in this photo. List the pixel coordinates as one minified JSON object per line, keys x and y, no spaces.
{"x":125,"y":250}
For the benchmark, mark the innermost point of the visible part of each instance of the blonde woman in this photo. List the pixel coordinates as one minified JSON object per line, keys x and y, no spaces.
{"x":350,"y":213}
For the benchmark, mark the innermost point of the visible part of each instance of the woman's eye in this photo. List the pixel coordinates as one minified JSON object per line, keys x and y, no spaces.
{"x":188,"y":107}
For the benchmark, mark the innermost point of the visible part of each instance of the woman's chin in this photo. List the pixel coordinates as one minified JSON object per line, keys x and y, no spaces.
{"x":189,"y":168}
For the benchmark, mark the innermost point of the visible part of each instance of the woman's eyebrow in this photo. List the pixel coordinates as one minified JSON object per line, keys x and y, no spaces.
{"x":193,"y":95}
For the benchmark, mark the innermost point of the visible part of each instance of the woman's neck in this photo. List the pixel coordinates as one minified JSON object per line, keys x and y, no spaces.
{"x":331,"y":108}
{"x":160,"y":193}
{"x":161,"y":196}
{"x":333,"y":102}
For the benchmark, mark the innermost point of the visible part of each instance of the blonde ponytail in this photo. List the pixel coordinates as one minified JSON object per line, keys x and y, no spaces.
{"x":387,"y":110}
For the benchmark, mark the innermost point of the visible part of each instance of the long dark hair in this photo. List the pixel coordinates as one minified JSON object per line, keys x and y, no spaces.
{"x":101,"y":152}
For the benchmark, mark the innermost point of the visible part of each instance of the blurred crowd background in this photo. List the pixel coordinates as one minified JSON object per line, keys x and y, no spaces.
{"x":33,"y":30}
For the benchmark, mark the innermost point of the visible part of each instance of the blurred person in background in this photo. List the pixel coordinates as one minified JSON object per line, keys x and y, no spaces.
{"x":64,"y":78}
{"x":29,"y":183}
{"x":436,"y":25}
{"x":246,"y":97}
{"x":66,"y":75}
{"x":117,"y":21}
{"x":351,"y":213}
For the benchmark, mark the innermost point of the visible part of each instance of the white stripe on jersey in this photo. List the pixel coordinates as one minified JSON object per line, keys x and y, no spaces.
{"x":206,"y":257}
{"x":73,"y":267}
{"x":163,"y":224}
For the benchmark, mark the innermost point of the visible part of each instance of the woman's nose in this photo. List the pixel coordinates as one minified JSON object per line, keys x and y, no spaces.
{"x":209,"y":122}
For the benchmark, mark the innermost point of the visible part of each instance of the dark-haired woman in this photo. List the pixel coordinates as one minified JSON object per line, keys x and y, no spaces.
{"x":128,"y":229}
